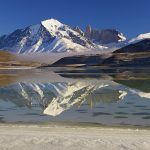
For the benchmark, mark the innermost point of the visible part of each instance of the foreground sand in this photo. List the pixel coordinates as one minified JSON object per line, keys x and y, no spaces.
{"x":30,"y":137}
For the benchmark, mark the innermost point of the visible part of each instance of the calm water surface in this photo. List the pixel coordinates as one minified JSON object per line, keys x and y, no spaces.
{"x":103,"y":96}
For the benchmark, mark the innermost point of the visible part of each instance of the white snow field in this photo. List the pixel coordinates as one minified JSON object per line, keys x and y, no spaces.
{"x":53,"y":137}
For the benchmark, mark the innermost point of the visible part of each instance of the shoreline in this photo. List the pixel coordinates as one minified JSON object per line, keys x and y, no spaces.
{"x":61,"y":137}
{"x":76,"y":125}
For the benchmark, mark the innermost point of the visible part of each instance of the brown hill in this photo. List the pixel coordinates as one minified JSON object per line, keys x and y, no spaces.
{"x":6,"y":56}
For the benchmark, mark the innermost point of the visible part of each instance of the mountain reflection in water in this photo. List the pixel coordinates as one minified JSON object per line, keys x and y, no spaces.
{"x":43,"y":96}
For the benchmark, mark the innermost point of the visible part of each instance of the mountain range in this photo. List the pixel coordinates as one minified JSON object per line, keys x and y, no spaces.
{"x":51,"y":36}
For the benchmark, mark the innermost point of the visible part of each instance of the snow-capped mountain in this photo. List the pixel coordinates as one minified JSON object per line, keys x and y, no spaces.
{"x":53,"y":36}
{"x":139,"y":38}
{"x":131,"y":41}
{"x":47,"y":36}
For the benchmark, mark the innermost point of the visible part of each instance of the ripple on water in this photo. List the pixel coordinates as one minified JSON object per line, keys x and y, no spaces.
{"x":120,"y":117}
{"x":100,"y":113}
{"x":121,"y":113}
{"x":146,"y":117}
{"x":140,"y":106}
{"x":141,"y":114}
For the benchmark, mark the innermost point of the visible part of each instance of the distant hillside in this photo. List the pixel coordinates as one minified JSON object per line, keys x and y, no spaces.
{"x":6,"y":56}
{"x":141,"y":46}
{"x":78,"y":61}
{"x":11,"y":60}
{"x":129,"y":60}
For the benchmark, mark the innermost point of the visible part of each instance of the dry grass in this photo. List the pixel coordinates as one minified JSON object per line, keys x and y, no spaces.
{"x":6,"y":79}
{"x":8,"y":59}
{"x":130,"y":56}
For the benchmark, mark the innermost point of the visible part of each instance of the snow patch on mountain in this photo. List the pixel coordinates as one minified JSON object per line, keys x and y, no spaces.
{"x":140,"y":37}
{"x":122,"y":37}
{"x":52,"y":26}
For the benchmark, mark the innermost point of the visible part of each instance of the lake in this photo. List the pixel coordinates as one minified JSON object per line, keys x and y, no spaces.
{"x":100,"y":96}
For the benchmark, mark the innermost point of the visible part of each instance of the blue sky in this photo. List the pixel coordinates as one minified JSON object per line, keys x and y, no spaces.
{"x":131,"y":17}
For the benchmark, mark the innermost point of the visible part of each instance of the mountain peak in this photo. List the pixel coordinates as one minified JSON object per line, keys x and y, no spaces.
{"x":144,"y":36}
{"x":51,"y":22}
{"x":51,"y":25}
{"x":104,"y":36}
{"x":88,"y":31}
{"x":140,"y":37}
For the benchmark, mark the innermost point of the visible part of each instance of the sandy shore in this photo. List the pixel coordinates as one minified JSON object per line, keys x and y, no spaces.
{"x":30,"y":137}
